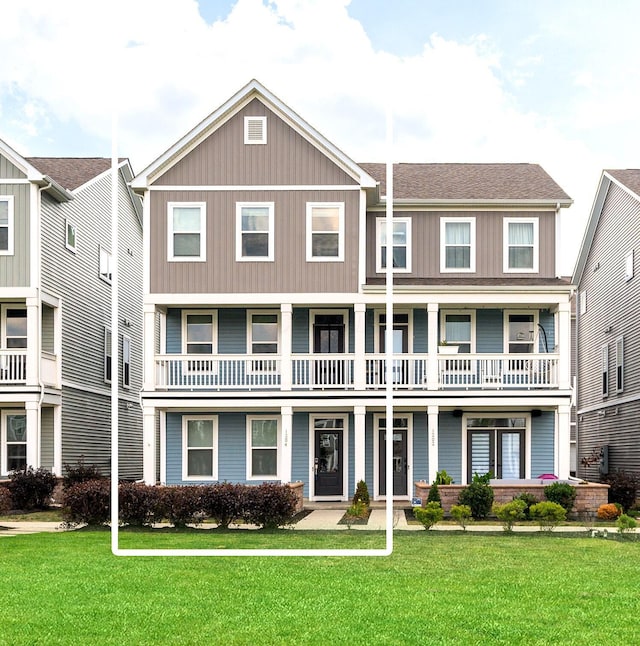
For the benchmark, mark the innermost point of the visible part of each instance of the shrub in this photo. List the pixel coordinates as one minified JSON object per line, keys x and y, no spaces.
{"x":548,"y":514}
{"x":443,"y":478}
{"x":623,"y":488}
{"x":180,"y":505}
{"x":358,"y":510}
{"x":361,"y":494}
{"x":509,"y":513}
{"x":529,"y":499}
{"x":485,"y":478}
{"x":461,"y":514}
{"x":5,"y":500}
{"x":478,"y":497}
{"x":81,"y":472}
{"x":430,"y":514}
{"x":562,"y":493}
{"x":223,"y":502}
{"x":270,"y":505}
{"x":434,"y":494}
{"x":626,"y":523}
{"x":87,"y":503}
{"x":137,"y":504}
{"x":31,"y":489}
{"x":608,"y":511}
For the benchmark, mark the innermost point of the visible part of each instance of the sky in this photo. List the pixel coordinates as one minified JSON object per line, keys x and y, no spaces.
{"x":554,"y":82}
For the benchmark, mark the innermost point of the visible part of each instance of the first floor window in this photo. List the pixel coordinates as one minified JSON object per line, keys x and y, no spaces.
{"x":400,"y":245}
{"x":263,"y":440}
{"x":186,"y":231}
{"x":325,"y":231}
{"x":200,"y":437}
{"x":126,"y":361}
{"x":457,"y":244}
{"x":254,"y":226}
{"x":107,"y":355}
{"x":6,"y":225}
{"x":14,"y":432}
{"x":105,"y":265}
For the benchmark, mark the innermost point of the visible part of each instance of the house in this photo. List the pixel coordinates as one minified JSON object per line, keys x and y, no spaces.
{"x":56,"y":366}
{"x":606,"y":275}
{"x":264,"y":307}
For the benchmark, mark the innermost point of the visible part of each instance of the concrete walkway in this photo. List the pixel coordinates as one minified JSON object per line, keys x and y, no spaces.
{"x":8,"y":528}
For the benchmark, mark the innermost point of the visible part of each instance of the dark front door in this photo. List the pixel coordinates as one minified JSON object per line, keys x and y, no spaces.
{"x":400,"y":465}
{"x":499,"y":451}
{"x":328,"y":468}
{"x":328,"y":338}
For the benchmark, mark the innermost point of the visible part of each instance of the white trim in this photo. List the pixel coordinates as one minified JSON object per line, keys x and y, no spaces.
{"x":628,"y":266}
{"x":214,"y":330}
{"x":68,"y":224}
{"x":17,"y":180}
{"x":376,"y":455}
{"x":270,"y":231}
{"x":345,"y":454}
{"x":310,"y":232}
{"x":214,"y":447}
{"x":604,"y":372}
{"x":471,"y":221}
{"x":278,"y":447}
{"x":534,"y":341}
{"x":230,"y":188}
{"x":107,"y":354}
{"x":264,"y":356}
{"x":536,"y":246}
{"x":10,"y":226}
{"x":248,"y":121}
{"x":4,"y":413}
{"x":619,"y":356}
{"x":162,"y":422}
{"x":202,"y":256}
{"x":472,"y":322}
{"x":380,"y":229}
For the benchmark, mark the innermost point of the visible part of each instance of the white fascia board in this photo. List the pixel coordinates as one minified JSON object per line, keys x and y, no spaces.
{"x":468,"y":203}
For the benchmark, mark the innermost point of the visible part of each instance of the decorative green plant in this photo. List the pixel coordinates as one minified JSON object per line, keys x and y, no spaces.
{"x":358,"y":510}
{"x":443,"y":478}
{"x":509,"y":513}
{"x":548,"y":514}
{"x":461,"y":514}
{"x":434,"y":494}
{"x":478,"y":497}
{"x":529,"y":499}
{"x":626,"y":524}
{"x":562,"y":493}
{"x":430,"y":514}
{"x":361,"y":494}
{"x":484,"y":478}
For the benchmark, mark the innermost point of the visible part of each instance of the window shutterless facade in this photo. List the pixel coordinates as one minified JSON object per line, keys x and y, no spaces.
{"x":186,"y":231}
{"x":263,"y":448}
{"x":457,"y":244}
{"x":400,"y":245}
{"x":325,"y":231}
{"x":200,"y":447}
{"x":263,"y":337}
{"x":521,"y":331}
{"x":521,"y":245}
{"x":13,"y":441}
{"x":6,"y":225}
{"x":13,"y":326}
{"x":254,"y":231}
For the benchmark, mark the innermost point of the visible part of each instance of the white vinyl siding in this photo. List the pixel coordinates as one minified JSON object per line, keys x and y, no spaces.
{"x":619,"y":364}
{"x":186,"y":231}
{"x":126,"y":362}
{"x":108,"y":363}
{"x":605,"y":370}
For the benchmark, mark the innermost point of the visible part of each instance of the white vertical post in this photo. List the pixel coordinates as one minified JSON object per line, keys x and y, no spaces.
{"x":359,"y":413}
{"x":149,"y":445}
{"x":432,"y":413}
{"x":33,"y":341}
{"x":148,"y":341}
{"x":286,"y":344}
{"x":432,"y":338}
{"x":32,"y":410}
{"x":562,"y":448}
{"x":57,"y":440}
{"x":564,"y":346}
{"x":286,"y":413}
{"x":360,"y":363}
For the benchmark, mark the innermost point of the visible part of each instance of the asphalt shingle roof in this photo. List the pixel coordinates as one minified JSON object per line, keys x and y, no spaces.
{"x":630,"y":177}
{"x":71,"y":172}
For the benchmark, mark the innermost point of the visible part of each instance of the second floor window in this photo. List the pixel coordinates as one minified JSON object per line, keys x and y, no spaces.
{"x":457,"y":246}
{"x":186,"y":231}
{"x":126,"y":362}
{"x":105,"y":265}
{"x":254,"y":226}
{"x":400,"y":245}
{"x":521,"y":245}
{"x":14,"y":326}
{"x":198,"y":332}
{"x":6,"y":225}
{"x":325,"y":231}
{"x":457,"y":330}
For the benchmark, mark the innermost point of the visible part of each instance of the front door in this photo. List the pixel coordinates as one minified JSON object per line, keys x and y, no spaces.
{"x":400,"y":465}
{"x":328,"y":338}
{"x":328,"y":463}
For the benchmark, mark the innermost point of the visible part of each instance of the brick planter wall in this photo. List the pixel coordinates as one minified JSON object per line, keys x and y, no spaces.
{"x":297,"y":489}
{"x":589,"y":496}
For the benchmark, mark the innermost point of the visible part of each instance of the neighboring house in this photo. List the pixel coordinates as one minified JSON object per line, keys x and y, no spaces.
{"x":265,"y":313}
{"x":606,"y":276}
{"x":55,"y":314}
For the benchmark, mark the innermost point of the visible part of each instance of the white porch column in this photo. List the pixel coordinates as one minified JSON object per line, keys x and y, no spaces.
{"x":33,"y":341}
{"x":286,"y":413}
{"x":564,"y":345}
{"x":432,"y":338}
{"x":286,"y":342}
{"x":57,"y":440}
{"x":563,"y":441}
{"x":32,"y":410}
{"x":432,"y":439}
{"x":149,"y":445}
{"x":359,"y":413}
{"x":360,"y":362}
{"x":149,"y":342}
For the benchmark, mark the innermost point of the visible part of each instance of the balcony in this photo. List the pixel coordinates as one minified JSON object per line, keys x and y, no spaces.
{"x":338,"y":372}
{"x":13,"y":367}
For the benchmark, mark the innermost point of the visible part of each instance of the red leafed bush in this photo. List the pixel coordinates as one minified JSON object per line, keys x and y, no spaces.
{"x":87,"y":503}
{"x":224,"y":502}
{"x":5,"y":500}
{"x":137,"y":504}
{"x":270,"y":505}
{"x":608,"y":511}
{"x":180,"y":505}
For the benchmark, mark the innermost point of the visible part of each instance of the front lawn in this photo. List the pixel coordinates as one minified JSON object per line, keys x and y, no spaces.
{"x":436,"y":588}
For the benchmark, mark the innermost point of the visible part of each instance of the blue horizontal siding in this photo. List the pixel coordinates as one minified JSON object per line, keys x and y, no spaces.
{"x":300,"y":450}
{"x":450,"y":445}
{"x":420,"y":448}
{"x":542,"y":444}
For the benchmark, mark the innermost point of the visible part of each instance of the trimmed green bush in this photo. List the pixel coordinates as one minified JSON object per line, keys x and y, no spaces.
{"x":548,"y":514}
{"x":562,"y":493}
{"x":479,"y":497}
{"x":87,"y":503}
{"x":361,"y":494}
{"x":430,"y":514}
{"x":32,"y":488}
{"x":529,"y":499}
{"x":626,"y":523}
{"x":434,"y":494}
{"x":509,"y":513}
{"x":461,"y":514}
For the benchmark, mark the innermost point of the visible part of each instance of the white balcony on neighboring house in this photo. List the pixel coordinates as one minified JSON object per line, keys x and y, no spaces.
{"x":13,"y":367}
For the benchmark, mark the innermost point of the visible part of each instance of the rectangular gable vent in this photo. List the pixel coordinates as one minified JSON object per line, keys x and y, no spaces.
{"x":255,"y":130}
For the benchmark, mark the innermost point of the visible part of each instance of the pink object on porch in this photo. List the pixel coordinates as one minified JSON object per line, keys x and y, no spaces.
{"x":548,"y":476}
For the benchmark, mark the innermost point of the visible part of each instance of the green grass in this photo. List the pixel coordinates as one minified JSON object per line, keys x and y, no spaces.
{"x":436,"y":588}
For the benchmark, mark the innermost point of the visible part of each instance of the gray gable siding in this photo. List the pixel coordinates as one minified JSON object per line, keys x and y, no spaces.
{"x":9,"y":170}
{"x":420,"y":449}
{"x":14,"y":269}
{"x":542,"y":444}
{"x":450,"y":445}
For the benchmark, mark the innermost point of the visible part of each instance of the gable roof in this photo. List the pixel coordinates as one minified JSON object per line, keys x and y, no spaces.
{"x":252,"y":90}
{"x":72,"y":172}
{"x":454,"y":182}
{"x":629,"y":181}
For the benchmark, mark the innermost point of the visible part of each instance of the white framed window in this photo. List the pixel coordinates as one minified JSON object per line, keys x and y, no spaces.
{"x":457,"y":244}
{"x":628,"y":266}
{"x":400,"y":245}
{"x":200,"y":447}
{"x":13,"y":327}
{"x":582,"y":299}
{"x":619,"y":364}
{"x":70,"y":236}
{"x":255,"y":130}
{"x":254,"y":231}
{"x":13,"y":441}
{"x":263,"y":447}
{"x":325,"y":231}
{"x":605,"y":370}
{"x":263,"y":338}
{"x":186,"y":231}
{"x":520,"y":332}
{"x":6,"y":225}
{"x":520,"y":245}
{"x":108,"y":363}
{"x":458,"y":328}
{"x":126,"y":362}
{"x":199,"y":331}
{"x":105,"y":265}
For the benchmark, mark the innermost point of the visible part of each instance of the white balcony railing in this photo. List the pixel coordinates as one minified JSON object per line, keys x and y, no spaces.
{"x":337,"y":371}
{"x":13,"y":366}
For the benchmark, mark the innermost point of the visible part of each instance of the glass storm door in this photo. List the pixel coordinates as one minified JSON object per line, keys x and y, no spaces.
{"x":328,"y":469}
{"x":499,"y":450}
{"x":328,"y":338}
{"x":400,"y":465}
